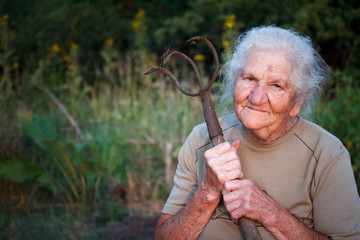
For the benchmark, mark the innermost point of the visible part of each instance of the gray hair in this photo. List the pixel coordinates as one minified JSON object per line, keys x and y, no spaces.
{"x":309,"y":71}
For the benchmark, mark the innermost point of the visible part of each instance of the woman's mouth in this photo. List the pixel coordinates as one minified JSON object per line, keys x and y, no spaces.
{"x":256,"y":109}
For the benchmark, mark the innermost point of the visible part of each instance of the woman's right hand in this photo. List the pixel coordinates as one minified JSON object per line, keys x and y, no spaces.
{"x":222,"y":165}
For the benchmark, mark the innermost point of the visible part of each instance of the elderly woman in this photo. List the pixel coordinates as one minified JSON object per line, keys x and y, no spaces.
{"x":290,"y":176}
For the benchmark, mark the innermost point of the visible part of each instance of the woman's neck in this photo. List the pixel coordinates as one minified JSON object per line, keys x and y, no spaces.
{"x":266,"y":137}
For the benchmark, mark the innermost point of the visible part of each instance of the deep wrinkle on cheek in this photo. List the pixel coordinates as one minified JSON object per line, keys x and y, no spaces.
{"x":278,"y":103}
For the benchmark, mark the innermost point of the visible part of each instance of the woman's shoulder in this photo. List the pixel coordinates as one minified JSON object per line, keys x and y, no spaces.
{"x":316,"y":137}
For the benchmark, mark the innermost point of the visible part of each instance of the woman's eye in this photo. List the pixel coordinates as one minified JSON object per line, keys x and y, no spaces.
{"x":251,"y":78}
{"x":277,"y":85}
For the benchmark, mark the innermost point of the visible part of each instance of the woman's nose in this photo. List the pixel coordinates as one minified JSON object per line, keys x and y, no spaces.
{"x":258,"y":95}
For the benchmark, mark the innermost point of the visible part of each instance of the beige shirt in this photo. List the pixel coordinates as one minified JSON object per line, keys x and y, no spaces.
{"x":307,"y":171}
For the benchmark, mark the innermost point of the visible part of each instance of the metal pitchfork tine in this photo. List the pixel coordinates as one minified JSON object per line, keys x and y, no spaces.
{"x":247,"y":226}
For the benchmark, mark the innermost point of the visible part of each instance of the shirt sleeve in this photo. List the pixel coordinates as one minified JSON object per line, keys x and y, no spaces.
{"x":336,"y":204}
{"x":185,"y":183}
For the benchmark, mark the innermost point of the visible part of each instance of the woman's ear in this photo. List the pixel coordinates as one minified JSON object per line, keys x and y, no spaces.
{"x":296,"y":109}
{"x":297,"y":106}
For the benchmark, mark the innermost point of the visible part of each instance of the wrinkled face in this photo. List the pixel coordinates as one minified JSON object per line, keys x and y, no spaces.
{"x":263,"y":95}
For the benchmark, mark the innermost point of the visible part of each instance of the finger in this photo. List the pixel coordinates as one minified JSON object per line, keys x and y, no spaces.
{"x":231,"y":165}
{"x":225,"y":176}
{"x":238,"y":190}
{"x":232,"y":185}
{"x":237,"y":214}
{"x":230,"y":196}
{"x":226,"y":158}
{"x":234,"y":174}
{"x":232,"y":201}
{"x":240,"y":204}
{"x":219,"y":149}
{"x":215,"y":160}
{"x":229,"y":170}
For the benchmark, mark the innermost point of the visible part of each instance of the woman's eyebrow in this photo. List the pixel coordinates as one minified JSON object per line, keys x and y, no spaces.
{"x":279,"y":79}
{"x":248,"y":74}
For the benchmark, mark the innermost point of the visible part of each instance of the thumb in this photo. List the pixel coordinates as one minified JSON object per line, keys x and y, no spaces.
{"x":236,"y":144}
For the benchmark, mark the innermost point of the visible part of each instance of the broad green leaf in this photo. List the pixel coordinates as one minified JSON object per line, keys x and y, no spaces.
{"x":19,"y":170}
{"x":40,"y":128}
{"x":60,"y":148}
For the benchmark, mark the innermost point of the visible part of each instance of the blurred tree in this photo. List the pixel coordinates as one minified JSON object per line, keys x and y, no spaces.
{"x":335,"y":26}
{"x":37,"y":25}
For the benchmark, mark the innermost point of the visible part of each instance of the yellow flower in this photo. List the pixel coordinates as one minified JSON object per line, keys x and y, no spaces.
{"x":199,"y":57}
{"x":135,"y":24}
{"x":140,"y":14}
{"x":229,"y":24}
{"x":3,"y":20}
{"x":55,"y":47}
{"x":16,"y":65}
{"x":73,"y":46}
{"x":225,"y":43}
{"x":349,"y":144}
{"x":109,"y":42}
{"x":230,"y":21}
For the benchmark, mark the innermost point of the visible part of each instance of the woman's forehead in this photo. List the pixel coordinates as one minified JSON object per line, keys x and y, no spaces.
{"x":272,"y":62}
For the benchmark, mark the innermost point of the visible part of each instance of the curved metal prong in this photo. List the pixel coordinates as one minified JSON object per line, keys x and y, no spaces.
{"x":216,"y":58}
{"x":168,"y":57}
{"x":189,"y":60}
{"x":166,"y":72}
{"x":151,"y":70}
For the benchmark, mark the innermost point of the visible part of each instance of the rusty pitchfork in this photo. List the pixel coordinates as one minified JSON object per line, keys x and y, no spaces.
{"x":246,"y":225}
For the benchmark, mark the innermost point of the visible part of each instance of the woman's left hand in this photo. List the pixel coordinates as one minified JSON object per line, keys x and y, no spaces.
{"x":243,"y":199}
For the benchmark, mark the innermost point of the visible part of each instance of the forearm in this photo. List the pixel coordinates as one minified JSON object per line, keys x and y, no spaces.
{"x":189,"y":223}
{"x":285,"y":226}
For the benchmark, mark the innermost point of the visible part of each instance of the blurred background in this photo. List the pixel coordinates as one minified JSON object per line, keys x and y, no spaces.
{"x":88,"y":145}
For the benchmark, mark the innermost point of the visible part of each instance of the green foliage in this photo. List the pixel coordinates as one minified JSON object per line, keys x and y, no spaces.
{"x":78,"y":163}
{"x":332,"y":26}
{"x":19,"y":170}
{"x":121,"y":126}
{"x":40,"y":128}
{"x":44,"y":181}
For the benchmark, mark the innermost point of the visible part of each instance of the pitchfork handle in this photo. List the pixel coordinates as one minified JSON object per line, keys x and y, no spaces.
{"x":247,"y":226}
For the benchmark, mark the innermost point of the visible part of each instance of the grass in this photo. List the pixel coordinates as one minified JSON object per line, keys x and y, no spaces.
{"x":60,"y":222}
